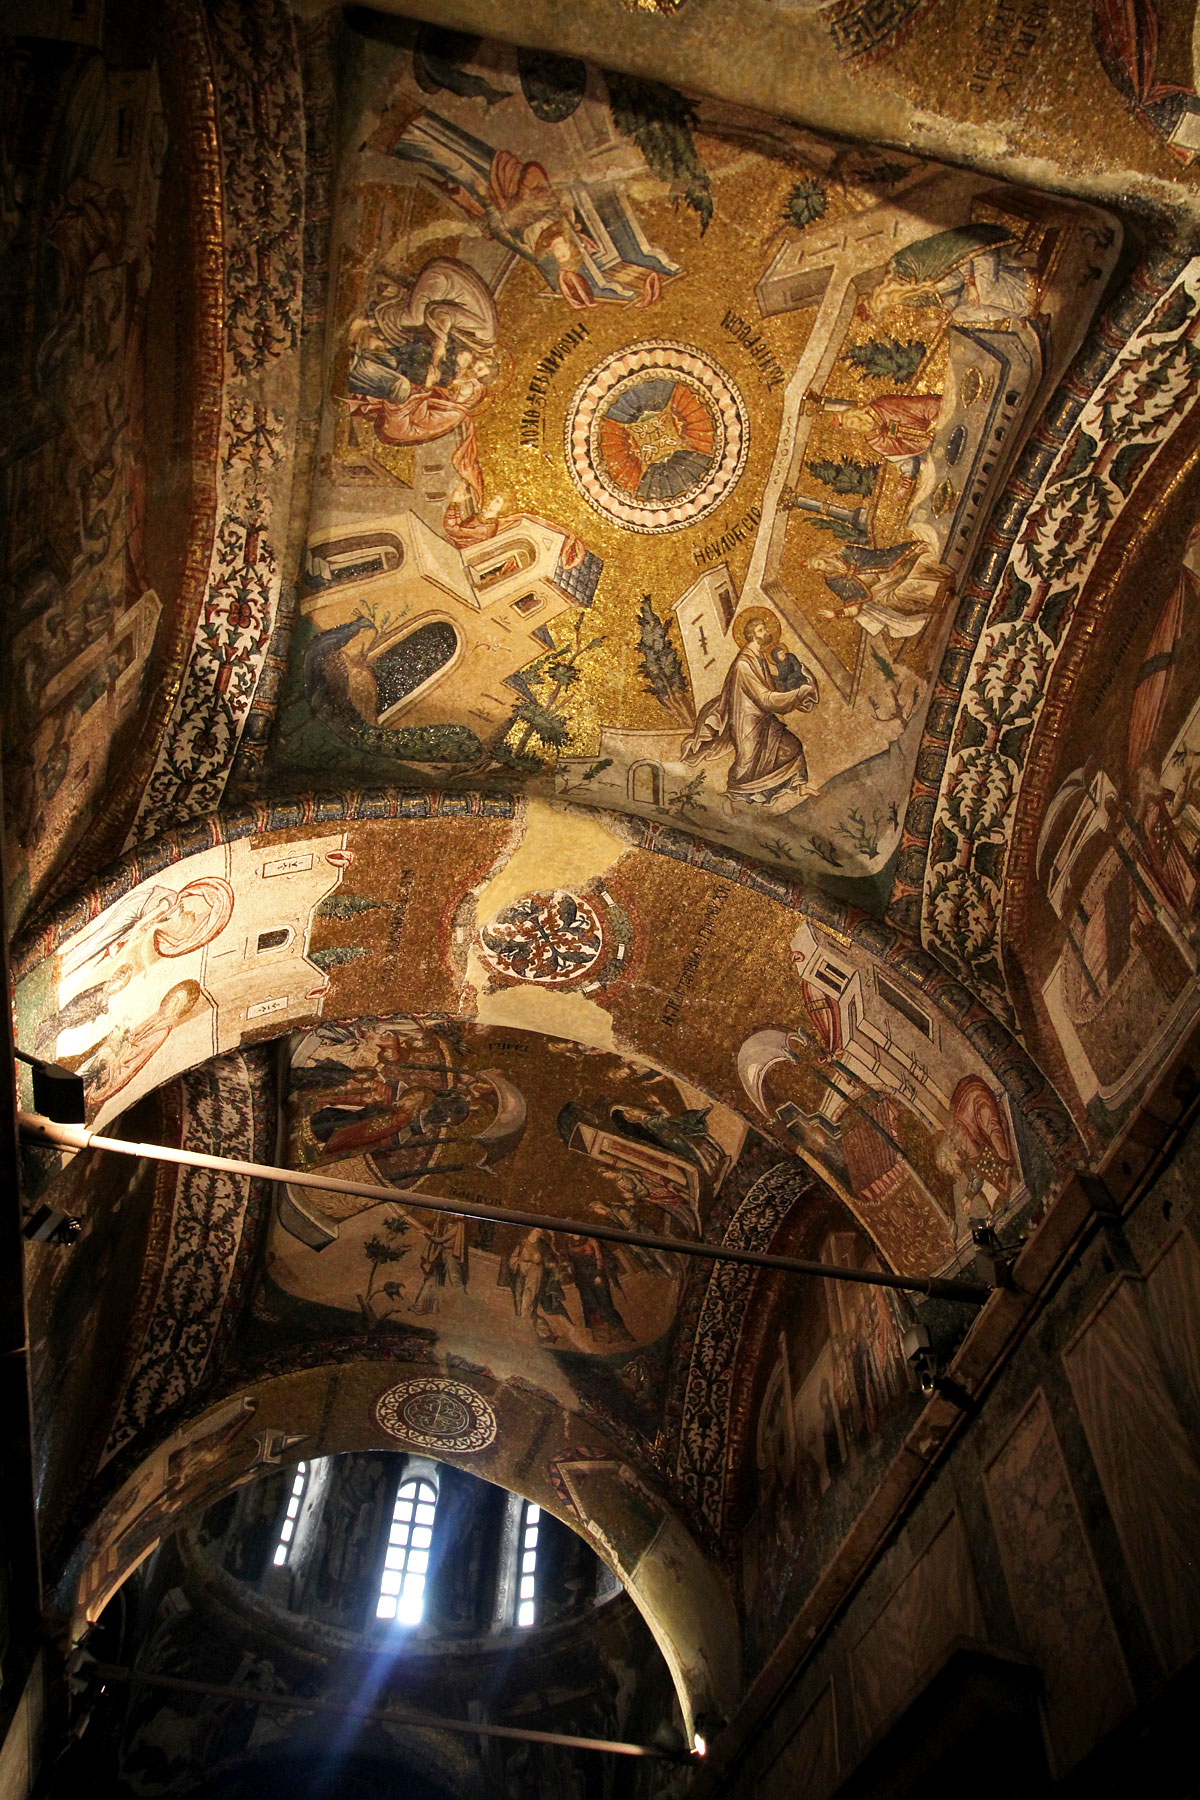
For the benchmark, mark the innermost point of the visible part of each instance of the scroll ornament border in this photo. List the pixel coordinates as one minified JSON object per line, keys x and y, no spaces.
{"x":213,"y":1222}
{"x":260,"y":129}
{"x":700,"y":1467}
{"x":1118,"y":434}
{"x":1099,"y":355}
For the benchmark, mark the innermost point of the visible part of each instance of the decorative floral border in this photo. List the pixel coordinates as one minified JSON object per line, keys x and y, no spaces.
{"x":1117,"y":434}
{"x":1101,"y":351}
{"x":701,"y":1460}
{"x":260,"y":128}
{"x":230,"y":1099}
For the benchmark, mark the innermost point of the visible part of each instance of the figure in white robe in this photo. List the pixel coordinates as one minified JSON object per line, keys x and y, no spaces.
{"x":763,"y":685}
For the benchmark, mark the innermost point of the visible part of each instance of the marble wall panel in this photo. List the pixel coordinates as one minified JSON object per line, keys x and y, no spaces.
{"x":936,"y":1602}
{"x":1148,"y":1469}
{"x":1173,"y":1290}
{"x":808,"y":1763}
{"x":1054,"y":1586}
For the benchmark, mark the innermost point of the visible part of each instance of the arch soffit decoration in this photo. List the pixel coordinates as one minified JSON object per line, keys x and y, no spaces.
{"x":1141,"y":318}
{"x":186,"y":910}
{"x":352,"y":1406}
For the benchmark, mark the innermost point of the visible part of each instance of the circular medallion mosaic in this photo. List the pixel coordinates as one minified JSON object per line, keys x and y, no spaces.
{"x":547,"y":938}
{"x":432,"y":1413}
{"x":656,"y":436}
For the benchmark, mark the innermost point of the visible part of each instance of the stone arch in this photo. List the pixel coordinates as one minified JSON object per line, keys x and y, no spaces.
{"x":666,"y":919}
{"x":333,"y":1408}
{"x":93,"y":962}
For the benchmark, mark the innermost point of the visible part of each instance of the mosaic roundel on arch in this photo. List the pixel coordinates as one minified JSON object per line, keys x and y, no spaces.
{"x":433,"y":1413}
{"x":551,"y":938}
{"x":656,"y":436}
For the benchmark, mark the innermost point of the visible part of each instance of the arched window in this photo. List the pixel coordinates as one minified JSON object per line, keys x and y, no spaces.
{"x":645,"y":784}
{"x":402,"y":1584}
{"x":354,"y":558}
{"x":527,"y":1578}
{"x":502,"y":564}
{"x":288,"y":1529}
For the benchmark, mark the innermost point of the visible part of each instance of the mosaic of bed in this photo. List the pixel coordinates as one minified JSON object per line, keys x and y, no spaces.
{"x":657,"y":439}
{"x":506,"y":1119}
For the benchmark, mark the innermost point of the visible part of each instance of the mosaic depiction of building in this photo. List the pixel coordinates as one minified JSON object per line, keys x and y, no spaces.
{"x":657,"y":441}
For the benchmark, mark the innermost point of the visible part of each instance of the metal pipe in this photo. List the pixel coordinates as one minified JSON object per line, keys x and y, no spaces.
{"x":423,"y":1721}
{"x":37,"y":1130}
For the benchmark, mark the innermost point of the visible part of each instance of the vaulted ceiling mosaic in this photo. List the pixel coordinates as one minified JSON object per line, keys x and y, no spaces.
{"x":656,"y":441}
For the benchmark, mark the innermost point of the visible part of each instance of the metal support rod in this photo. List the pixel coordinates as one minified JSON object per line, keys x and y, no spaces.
{"x":37,"y":1130}
{"x":423,"y":1721}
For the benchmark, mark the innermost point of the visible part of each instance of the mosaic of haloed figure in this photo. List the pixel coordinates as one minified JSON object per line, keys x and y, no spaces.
{"x":435,"y":1106}
{"x":657,"y":440}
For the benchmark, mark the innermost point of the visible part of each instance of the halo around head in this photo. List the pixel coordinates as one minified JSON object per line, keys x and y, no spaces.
{"x":212,"y":898}
{"x":755,"y":615}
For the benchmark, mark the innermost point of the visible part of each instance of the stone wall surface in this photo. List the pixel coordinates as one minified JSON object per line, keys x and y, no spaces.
{"x":1054,"y":1549}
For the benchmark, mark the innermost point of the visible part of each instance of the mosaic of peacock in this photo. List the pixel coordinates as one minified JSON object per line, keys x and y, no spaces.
{"x":657,"y":438}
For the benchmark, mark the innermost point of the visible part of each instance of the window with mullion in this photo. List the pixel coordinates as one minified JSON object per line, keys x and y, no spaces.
{"x":527,"y":1553}
{"x":287,"y":1530}
{"x":406,"y":1561}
